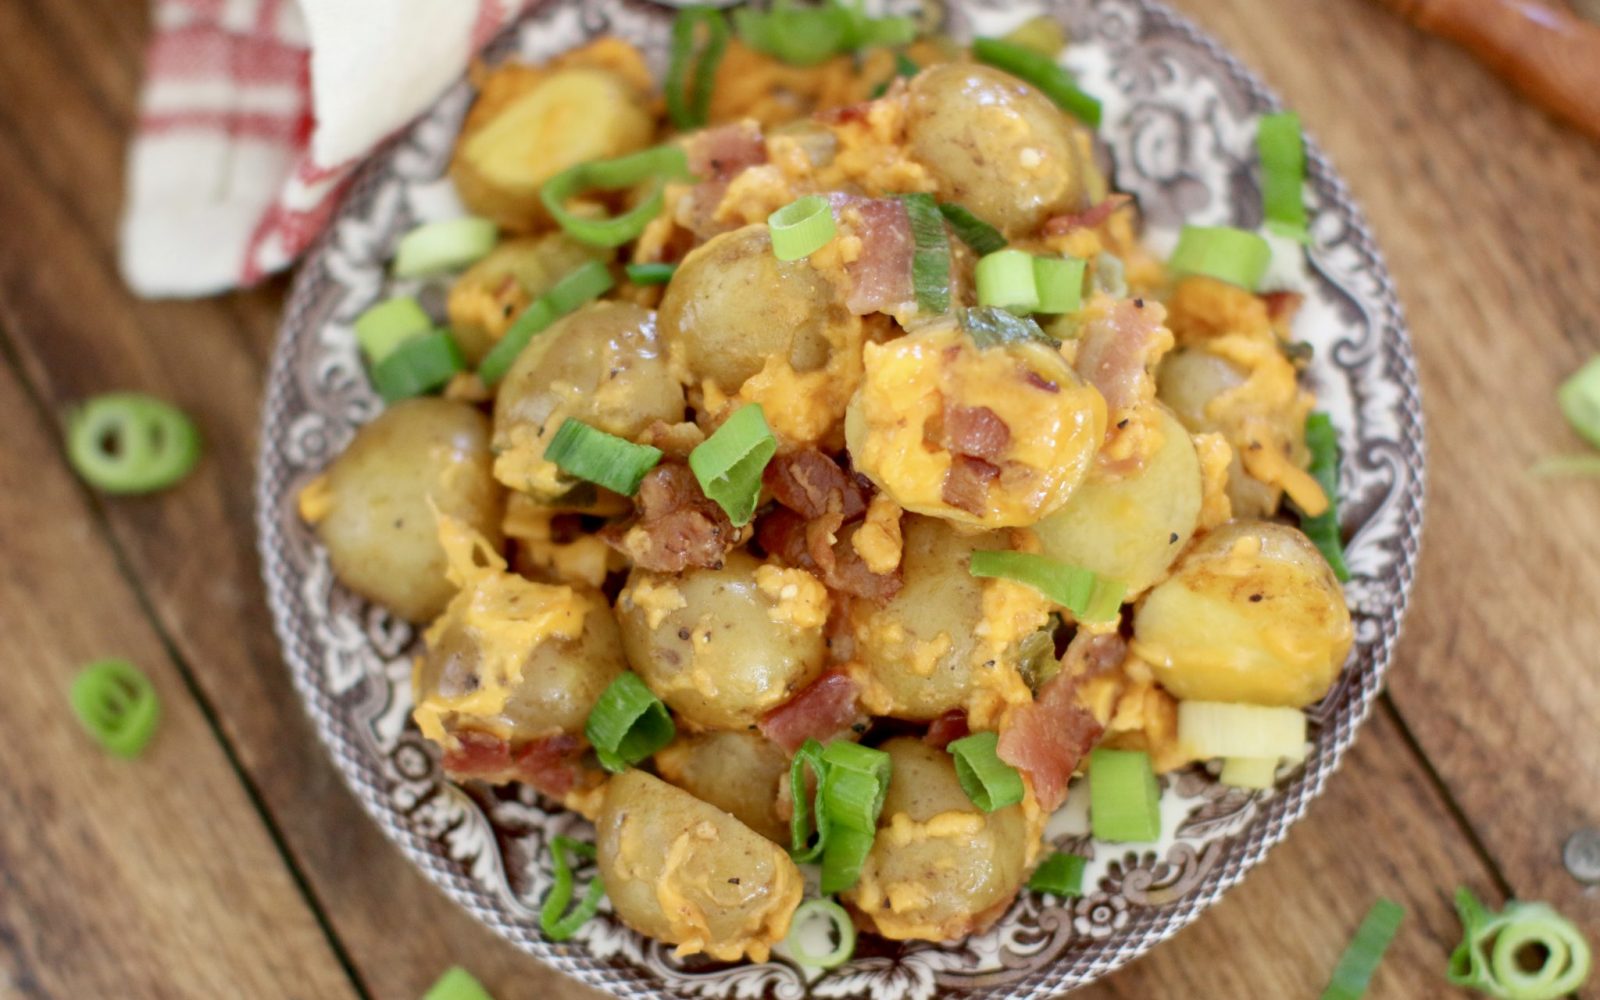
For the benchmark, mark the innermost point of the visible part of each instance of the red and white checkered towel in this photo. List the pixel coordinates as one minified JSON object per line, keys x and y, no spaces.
{"x":255,"y":112}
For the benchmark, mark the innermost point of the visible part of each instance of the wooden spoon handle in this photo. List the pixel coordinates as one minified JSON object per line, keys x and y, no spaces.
{"x":1545,"y":51}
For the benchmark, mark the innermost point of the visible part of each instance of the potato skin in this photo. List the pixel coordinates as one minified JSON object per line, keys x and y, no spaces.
{"x":1187,"y":381}
{"x":1252,"y":614}
{"x":994,"y":144}
{"x":687,"y":873}
{"x":951,"y":868}
{"x":1131,"y":528}
{"x":380,"y":529}
{"x":488,"y":298}
{"x":737,"y":772}
{"x":732,"y":305}
{"x":720,"y":660}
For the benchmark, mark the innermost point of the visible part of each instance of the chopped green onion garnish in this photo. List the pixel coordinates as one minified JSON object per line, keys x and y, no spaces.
{"x":1042,"y":34}
{"x":689,"y":101}
{"x":854,"y":786}
{"x":1060,"y":283}
{"x":806,"y":36}
{"x":1353,"y":974}
{"x":989,"y":782}
{"x":658,"y":166}
{"x":1249,"y":772}
{"x":1323,"y":530}
{"x":117,"y":705}
{"x":554,"y":920}
{"x":1089,"y":597}
{"x":991,"y":326}
{"x":818,"y":921}
{"x":418,"y":366}
{"x":974,"y":232}
{"x":128,"y":442}
{"x":801,"y":849}
{"x":1060,"y":875}
{"x":1222,"y":252}
{"x":457,"y":984}
{"x":1041,"y":71}
{"x":437,"y":247}
{"x":627,"y":724}
{"x":1579,"y":397}
{"x":1005,"y":281}
{"x":389,"y":324}
{"x":843,"y":857}
{"x":729,"y":463}
{"x":650,"y":274}
{"x":930,"y":262}
{"x":587,"y":282}
{"x":600,"y":458}
{"x":1282,"y":151}
{"x":802,"y":227}
{"x":1208,"y":729}
{"x":1495,"y":946}
{"x":851,"y":783}
{"x":1124,"y":799}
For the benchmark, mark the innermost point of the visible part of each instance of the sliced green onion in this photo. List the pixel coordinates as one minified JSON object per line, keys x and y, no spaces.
{"x":627,"y":724}
{"x":1353,"y":973}
{"x":991,"y":326}
{"x":689,"y":101}
{"x":801,"y":849}
{"x":1249,"y":772}
{"x":1088,"y":596}
{"x":851,"y":783}
{"x":1042,"y":34}
{"x":650,"y":274}
{"x":437,"y":247}
{"x":389,"y":324}
{"x":457,"y":984}
{"x":658,"y":166}
{"x":1323,"y":530}
{"x":1208,"y":729}
{"x":585,"y":283}
{"x":1491,"y":955}
{"x":1579,"y":397}
{"x":806,"y":36}
{"x":802,"y":227}
{"x":930,"y":262}
{"x":729,"y":463}
{"x":974,"y":232}
{"x":1059,"y":281}
{"x":1041,"y":71}
{"x":1005,"y":281}
{"x":843,"y":857}
{"x":420,"y":365}
{"x":1124,"y":799}
{"x":1222,"y":252}
{"x":128,"y":442}
{"x":1060,"y":875}
{"x":1281,"y":149}
{"x":854,"y":786}
{"x":604,"y":459}
{"x":554,"y":920}
{"x":819,"y":920}
{"x":117,"y":705}
{"x":989,"y":782}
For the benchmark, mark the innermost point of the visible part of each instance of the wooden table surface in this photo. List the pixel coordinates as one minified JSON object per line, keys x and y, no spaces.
{"x":230,"y":861}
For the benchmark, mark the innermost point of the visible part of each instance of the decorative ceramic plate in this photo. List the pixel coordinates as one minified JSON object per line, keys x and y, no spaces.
{"x":1179,"y":127}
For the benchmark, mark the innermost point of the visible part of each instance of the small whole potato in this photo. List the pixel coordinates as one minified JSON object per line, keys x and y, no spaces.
{"x":492,"y":293}
{"x":684,"y":872}
{"x":1131,"y":528}
{"x":719,"y":647}
{"x":732,"y":305}
{"x":994,"y":145}
{"x":1252,"y":613}
{"x":376,"y":503}
{"x":737,"y":772}
{"x":940,"y":868}
{"x":602,"y":365}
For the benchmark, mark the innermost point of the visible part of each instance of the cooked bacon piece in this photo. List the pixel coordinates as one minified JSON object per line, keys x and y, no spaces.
{"x":1091,"y":653}
{"x":880,"y":277}
{"x":821,"y":710}
{"x":1048,"y":738}
{"x":719,"y":154}
{"x":811,"y":484}
{"x":1119,"y":348}
{"x":1094,"y":215}
{"x":549,"y":764}
{"x":1282,"y":306}
{"x":676,"y":526}
{"x":947,"y":728}
{"x":856,"y":112}
{"x":819,"y":546}
{"x":975,"y":431}
{"x":966,"y":485}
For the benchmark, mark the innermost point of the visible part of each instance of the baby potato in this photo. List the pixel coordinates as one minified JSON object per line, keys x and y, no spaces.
{"x":1188,"y":380}
{"x":529,"y":125}
{"x":493,"y":292}
{"x":681,"y":871}
{"x":723,"y":646}
{"x":377,"y":502}
{"x":732,"y":305}
{"x":940,"y":868}
{"x":1252,"y":614}
{"x":736,"y":772}
{"x":1131,"y":528}
{"x":994,"y":144}
{"x":601,"y":365}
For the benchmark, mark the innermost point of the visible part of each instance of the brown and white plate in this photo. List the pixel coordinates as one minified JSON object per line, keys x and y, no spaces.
{"x":1179,"y":128}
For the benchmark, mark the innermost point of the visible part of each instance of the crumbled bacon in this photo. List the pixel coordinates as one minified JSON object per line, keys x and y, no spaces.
{"x":966,"y":485}
{"x":675,"y":527}
{"x":947,"y":728}
{"x":719,"y":154}
{"x":1048,"y":738}
{"x":811,"y":484}
{"x":550,"y":765}
{"x":1282,"y":305}
{"x":1091,"y":653}
{"x":1118,"y":350}
{"x":819,"y":545}
{"x":974,"y":431}
{"x":880,"y":276}
{"x":821,"y":710}
{"x":1094,"y":215}
{"x":845,"y":113}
